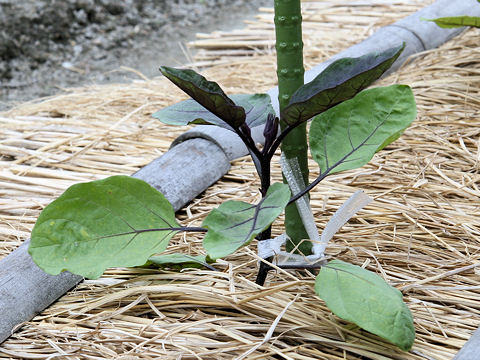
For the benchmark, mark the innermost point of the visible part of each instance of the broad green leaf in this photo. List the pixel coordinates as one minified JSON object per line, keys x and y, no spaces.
{"x":340,"y":81}
{"x":180,"y":261}
{"x":257,"y":107}
{"x":206,"y":93}
{"x":364,"y":298}
{"x":235,"y":223}
{"x":456,"y":21}
{"x":100,"y":224}
{"x":348,"y":135}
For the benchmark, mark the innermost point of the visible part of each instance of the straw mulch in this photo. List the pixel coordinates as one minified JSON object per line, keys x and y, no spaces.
{"x":328,"y":26}
{"x":421,"y":233}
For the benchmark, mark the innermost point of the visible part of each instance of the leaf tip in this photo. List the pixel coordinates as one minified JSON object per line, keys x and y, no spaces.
{"x":164,"y":69}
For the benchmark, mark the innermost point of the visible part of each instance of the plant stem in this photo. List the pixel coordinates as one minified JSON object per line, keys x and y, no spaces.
{"x":265,"y":184}
{"x":289,"y":45}
{"x":263,"y":271}
{"x":267,"y":233}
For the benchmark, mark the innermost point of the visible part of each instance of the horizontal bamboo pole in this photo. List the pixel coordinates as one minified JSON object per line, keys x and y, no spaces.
{"x":180,"y":174}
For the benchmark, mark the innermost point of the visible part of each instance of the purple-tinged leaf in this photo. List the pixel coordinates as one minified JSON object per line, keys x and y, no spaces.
{"x":270,"y":131}
{"x":207,"y":93}
{"x":257,"y":107}
{"x":340,"y":81}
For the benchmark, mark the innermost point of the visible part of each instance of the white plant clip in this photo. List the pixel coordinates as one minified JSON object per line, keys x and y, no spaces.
{"x":272,"y":247}
{"x":344,"y":213}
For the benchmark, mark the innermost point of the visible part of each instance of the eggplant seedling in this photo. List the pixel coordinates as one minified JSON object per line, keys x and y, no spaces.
{"x":123,"y":221}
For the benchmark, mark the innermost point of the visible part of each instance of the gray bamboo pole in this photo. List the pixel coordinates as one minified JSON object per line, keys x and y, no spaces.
{"x":470,"y":350}
{"x":180,"y":174}
{"x":199,"y":158}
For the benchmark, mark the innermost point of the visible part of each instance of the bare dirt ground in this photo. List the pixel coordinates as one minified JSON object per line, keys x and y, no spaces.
{"x":48,"y":45}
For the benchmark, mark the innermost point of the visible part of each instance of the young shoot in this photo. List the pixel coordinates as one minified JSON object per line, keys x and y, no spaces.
{"x":123,"y":221}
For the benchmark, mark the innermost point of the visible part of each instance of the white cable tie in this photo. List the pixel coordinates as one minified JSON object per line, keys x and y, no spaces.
{"x":284,"y":258}
{"x":344,"y":213}
{"x":271,"y":247}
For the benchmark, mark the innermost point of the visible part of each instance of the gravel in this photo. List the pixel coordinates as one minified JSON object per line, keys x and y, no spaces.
{"x":47,"y":45}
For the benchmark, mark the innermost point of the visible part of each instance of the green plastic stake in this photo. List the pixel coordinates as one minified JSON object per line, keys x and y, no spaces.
{"x":290,"y":70}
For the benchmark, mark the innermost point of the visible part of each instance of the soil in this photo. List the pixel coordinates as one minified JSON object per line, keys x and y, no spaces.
{"x":48,"y":45}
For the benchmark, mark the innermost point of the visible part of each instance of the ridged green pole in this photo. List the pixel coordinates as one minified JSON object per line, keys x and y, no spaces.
{"x":289,"y":45}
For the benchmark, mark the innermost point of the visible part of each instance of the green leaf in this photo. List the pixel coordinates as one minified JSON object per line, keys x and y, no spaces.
{"x":118,"y":221}
{"x":206,"y":93}
{"x":340,"y":81}
{"x":456,"y":21}
{"x":180,"y":261}
{"x":257,"y":107}
{"x":364,"y":298}
{"x":348,"y":135}
{"x":235,"y":223}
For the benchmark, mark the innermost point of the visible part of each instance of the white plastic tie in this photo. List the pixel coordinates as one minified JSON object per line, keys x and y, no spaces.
{"x":272,"y":247}
{"x":344,"y":213}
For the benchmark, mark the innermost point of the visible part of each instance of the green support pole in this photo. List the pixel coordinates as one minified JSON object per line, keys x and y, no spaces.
{"x":290,"y":70}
